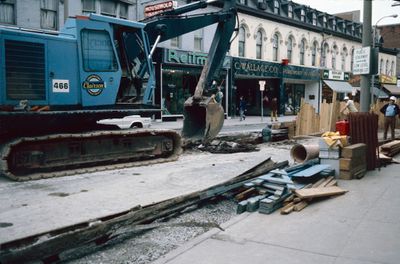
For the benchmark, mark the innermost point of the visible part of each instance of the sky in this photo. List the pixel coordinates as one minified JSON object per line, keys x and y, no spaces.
{"x":380,"y":8}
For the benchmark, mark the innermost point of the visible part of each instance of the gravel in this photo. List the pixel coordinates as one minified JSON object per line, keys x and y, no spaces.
{"x":144,"y":245}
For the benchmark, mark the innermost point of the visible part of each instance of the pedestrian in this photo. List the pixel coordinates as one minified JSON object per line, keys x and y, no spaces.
{"x":349,"y":106}
{"x":242,"y":108}
{"x":274,"y":109}
{"x":219,"y":95}
{"x":390,"y":111}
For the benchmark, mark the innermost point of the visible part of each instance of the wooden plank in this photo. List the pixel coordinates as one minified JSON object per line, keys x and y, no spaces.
{"x":312,"y":170}
{"x":319,"y":192}
{"x":287,"y":209}
{"x":300,"y":206}
{"x":318,"y":183}
{"x":327,"y":181}
{"x":331,"y":183}
{"x":355,"y":150}
{"x":245,"y":194}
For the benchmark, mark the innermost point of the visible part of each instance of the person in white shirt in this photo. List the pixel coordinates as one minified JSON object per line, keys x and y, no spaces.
{"x":349,"y":105}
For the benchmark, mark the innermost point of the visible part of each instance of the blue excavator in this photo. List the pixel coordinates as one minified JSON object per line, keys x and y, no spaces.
{"x":54,"y":87}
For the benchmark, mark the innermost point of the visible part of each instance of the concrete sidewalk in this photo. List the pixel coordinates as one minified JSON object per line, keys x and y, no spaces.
{"x":360,"y":227}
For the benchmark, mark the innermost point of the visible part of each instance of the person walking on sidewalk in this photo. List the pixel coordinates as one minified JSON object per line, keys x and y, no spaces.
{"x":390,"y":111}
{"x":274,"y":109}
{"x":242,"y":108}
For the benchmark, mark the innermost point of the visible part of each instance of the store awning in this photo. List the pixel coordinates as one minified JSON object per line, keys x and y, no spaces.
{"x":392,"y":89}
{"x":340,"y":87}
{"x":380,"y":93}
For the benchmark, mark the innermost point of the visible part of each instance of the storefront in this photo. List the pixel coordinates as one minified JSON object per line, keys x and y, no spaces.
{"x":179,"y":73}
{"x":246,"y":75}
{"x":336,"y":83}
{"x":288,"y":83}
{"x":300,"y":83}
{"x":389,"y":85}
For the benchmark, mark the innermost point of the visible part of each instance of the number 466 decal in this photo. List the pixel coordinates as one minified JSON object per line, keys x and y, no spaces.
{"x":60,"y":86}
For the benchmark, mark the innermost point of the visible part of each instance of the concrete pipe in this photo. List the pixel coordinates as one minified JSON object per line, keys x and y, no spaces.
{"x":301,"y":153}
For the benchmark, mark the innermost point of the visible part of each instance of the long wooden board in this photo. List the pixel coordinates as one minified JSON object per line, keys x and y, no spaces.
{"x":319,"y":192}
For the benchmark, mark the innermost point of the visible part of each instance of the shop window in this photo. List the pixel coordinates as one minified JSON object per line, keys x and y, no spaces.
{"x":97,"y":51}
{"x":48,"y":14}
{"x":275,"y":47}
{"x":242,"y":41}
{"x":302,"y":51}
{"x":314,"y":54}
{"x":7,"y":12}
{"x":198,"y":39}
{"x":123,"y":10}
{"x":88,"y":6}
{"x":289,"y":49}
{"x":259,"y":45}
{"x":109,"y":8}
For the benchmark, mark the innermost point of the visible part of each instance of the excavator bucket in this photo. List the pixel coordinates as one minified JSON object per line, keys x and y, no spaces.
{"x":203,"y":119}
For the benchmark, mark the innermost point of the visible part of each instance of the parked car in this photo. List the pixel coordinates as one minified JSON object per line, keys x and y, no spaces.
{"x":132,"y":121}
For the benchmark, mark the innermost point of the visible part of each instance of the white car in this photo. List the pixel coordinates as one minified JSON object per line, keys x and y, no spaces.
{"x":132,"y":121}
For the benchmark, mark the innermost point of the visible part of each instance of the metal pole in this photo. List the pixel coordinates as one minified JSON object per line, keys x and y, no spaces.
{"x":373,"y":75}
{"x":365,"y":97}
{"x":262,"y":106}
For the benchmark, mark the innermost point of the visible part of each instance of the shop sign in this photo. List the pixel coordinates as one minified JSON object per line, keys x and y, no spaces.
{"x":256,"y":68}
{"x":151,"y":10}
{"x":387,"y":79}
{"x":300,"y":73}
{"x":335,"y":75}
{"x":189,"y":57}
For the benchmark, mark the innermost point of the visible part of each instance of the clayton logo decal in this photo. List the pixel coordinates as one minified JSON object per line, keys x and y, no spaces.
{"x":94,"y":85}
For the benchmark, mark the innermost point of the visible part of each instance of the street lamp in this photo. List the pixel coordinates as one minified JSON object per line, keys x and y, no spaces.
{"x":373,"y":48}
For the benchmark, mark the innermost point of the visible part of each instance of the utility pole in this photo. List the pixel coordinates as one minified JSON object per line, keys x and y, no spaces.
{"x":365,"y":95}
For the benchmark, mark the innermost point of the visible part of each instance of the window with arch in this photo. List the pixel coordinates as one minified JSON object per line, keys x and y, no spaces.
{"x":242,"y":41}
{"x":302,"y":51}
{"x":334,"y":24}
{"x":259,"y":37}
{"x":314,"y":54}
{"x":392,"y":69}
{"x":290,"y":11}
{"x":344,"y":54}
{"x":290,"y":48}
{"x":387,"y":67}
{"x":275,"y":47}
{"x":314,"y":19}
{"x":352,"y":60}
{"x":276,"y":7}
{"x":302,"y":15}
{"x":334,"y":52}
{"x":324,"y":54}
{"x":324,"y":22}
{"x":381,"y":66}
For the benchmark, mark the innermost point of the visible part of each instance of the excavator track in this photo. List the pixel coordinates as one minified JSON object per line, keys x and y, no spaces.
{"x":32,"y":158}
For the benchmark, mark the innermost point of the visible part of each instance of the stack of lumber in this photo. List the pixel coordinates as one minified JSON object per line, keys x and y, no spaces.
{"x":325,"y":187}
{"x":269,"y":192}
{"x":390,"y":149}
{"x":272,"y":187}
{"x":353,"y":163}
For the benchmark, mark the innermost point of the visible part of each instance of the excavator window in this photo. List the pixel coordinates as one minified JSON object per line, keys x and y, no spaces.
{"x":97,"y":51}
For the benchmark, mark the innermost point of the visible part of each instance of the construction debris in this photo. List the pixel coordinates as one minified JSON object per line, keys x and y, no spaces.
{"x":286,"y":189}
{"x":390,"y":149}
{"x":353,"y":162}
